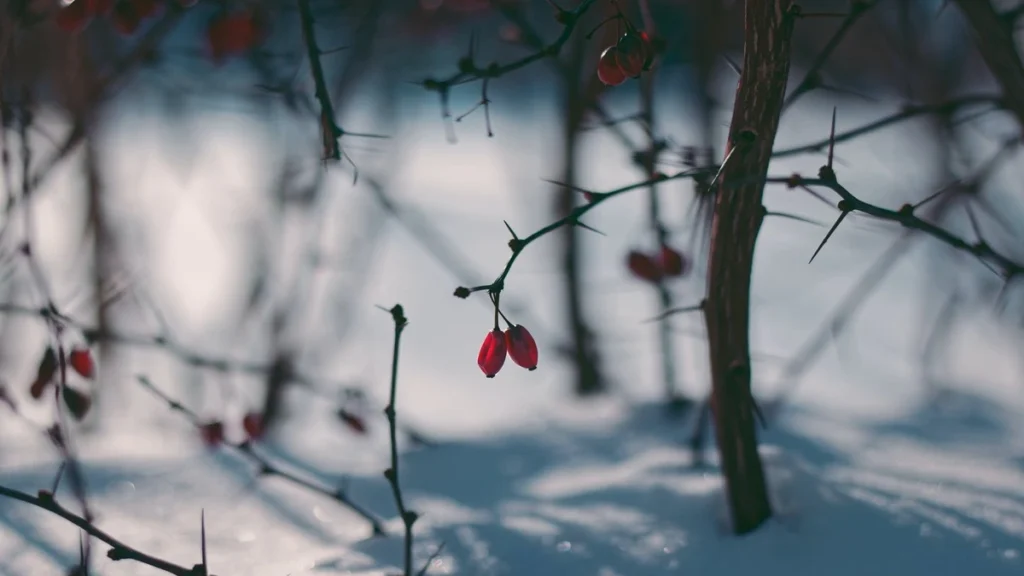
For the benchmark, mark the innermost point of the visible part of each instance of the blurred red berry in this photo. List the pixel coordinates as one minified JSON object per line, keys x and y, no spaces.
{"x":75,"y":16}
{"x":252,"y":422}
{"x":492,"y":353}
{"x":212,"y":433}
{"x":78,"y":403}
{"x":521,"y":347}
{"x":232,"y":34}
{"x":672,"y":262}
{"x":44,"y":373}
{"x":608,"y":71}
{"x":644,"y":267}
{"x":355,"y":423}
{"x":81,"y":362}
{"x":631,"y":54}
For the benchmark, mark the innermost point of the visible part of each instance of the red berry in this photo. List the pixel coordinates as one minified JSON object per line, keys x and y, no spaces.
{"x":212,"y":433}
{"x":631,"y":54}
{"x":672,"y":262}
{"x":521,"y":347}
{"x":78,"y":403}
{"x":608,"y":71}
{"x":75,"y":16}
{"x":231,"y":34}
{"x":81,"y":361}
{"x":252,"y":422}
{"x":644,"y":267}
{"x":355,"y":423}
{"x":492,"y":353}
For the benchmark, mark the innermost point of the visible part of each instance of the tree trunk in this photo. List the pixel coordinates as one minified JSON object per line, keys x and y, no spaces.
{"x":589,"y":380}
{"x":768,"y":26}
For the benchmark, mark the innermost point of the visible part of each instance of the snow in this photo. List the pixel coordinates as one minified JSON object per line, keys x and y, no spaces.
{"x":873,"y":468}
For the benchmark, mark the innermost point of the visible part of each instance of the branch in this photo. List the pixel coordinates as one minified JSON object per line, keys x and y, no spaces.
{"x":408,"y":516}
{"x":996,"y":44}
{"x":118,"y":550}
{"x":265,"y":466}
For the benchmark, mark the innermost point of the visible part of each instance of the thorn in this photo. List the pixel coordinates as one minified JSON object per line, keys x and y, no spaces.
{"x":675,"y":311}
{"x":595,"y":230}
{"x":510,"y":230}
{"x":794,"y":217}
{"x":735,"y":67}
{"x":829,"y":235}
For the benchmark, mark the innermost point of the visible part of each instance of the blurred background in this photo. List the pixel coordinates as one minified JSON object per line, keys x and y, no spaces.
{"x":184,"y":223}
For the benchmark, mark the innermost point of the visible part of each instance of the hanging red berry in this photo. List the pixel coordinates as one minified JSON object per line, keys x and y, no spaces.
{"x":521,"y":347}
{"x":81,"y":362}
{"x":212,"y":433}
{"x":252,"y":423}
{"x":631,"y":54}
{"x":608,"y":71}
{"x":44,"y":373}
{"x":75,"y":16}
{"x":492,"y":353}
{"x":354,"y":422}
{"x":78,"y":403}
{"x":643,"y":266}
{"x":672,"y":262}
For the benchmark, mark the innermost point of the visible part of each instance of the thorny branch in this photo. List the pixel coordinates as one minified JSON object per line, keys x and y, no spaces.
{"x":266,"y":467}
{"x":408,"y":516}
{"x":118,"y":550}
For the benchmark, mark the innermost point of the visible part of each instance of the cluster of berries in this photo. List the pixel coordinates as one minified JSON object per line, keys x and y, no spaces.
{"x":80,"y":360}
{"x":516,"y":342}
{"x":228,"y":33}
{"x":632,"y":55}
{"x":667,"y":263}
{"x":213,"y":432}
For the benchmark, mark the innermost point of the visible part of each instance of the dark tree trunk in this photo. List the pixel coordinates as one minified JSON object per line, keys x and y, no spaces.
{"x":589,"y":380}
{"x":768,"y":26}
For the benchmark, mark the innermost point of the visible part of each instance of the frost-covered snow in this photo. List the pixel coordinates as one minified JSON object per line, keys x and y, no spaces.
{"x":874,"y":469}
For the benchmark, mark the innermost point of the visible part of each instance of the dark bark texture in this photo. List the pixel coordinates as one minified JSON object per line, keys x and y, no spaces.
{"x":768,"y":27}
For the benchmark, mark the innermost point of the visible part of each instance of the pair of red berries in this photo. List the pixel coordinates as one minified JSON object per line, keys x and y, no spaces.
{"x":632,"y":55}
{"x":668,"y":263}
{"x":125,"y":15}
{"x":80,"y":360}
{"x":213,"y":432}
{"x":516,"y":342}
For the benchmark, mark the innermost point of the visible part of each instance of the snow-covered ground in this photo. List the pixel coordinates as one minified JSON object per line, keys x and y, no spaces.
{"x":874,"y":469}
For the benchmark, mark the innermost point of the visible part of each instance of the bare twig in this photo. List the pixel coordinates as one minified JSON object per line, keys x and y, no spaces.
{"x":408,"y":516}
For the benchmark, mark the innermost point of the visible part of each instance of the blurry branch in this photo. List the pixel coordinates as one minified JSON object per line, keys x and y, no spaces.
{"x":907,"y":113}
{"x":408,"y":516}
{"x":532,"y":38}
{"x":812,"y":78}
{"x":118,"y":550}
{"x":142,"y":51}
{"x":266,"y":468}
{"x":997,"y":46}
{"x":469,"y":71}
